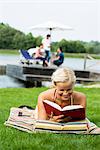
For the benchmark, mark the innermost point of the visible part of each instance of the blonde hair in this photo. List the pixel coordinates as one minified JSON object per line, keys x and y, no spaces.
{"x":62,"y":75}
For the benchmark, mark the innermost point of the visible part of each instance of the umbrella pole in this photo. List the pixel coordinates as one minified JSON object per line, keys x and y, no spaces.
{"x":50,"y":37}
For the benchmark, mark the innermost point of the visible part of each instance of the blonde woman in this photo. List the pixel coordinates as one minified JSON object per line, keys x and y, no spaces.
{"x":62,"y":93}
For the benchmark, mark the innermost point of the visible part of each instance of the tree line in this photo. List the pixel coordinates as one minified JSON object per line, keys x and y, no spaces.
{"x":11,"y":38}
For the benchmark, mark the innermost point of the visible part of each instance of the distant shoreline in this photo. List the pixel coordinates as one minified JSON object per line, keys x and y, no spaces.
{"x":71,"y":55}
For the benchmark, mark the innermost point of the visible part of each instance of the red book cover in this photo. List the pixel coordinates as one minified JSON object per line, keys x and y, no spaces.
{"x":74,"y":112}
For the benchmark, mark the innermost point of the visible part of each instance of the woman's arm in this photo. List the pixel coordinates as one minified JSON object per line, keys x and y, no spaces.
{"x":79,"y":98}
{"x":41,"y":110}
{"x":42,"y":115}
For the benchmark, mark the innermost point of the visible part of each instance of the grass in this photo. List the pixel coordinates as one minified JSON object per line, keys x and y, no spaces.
{"x":67,"y":55}
{"x":13,"y":139}
{"x":81,"y":55}
{"x":9,"y":52}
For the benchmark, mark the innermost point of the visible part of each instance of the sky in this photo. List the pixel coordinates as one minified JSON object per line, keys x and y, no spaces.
{"x":82,"y":15}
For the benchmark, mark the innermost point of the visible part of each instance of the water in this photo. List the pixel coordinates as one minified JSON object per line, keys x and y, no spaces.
{"x":78,"y":64}
{"x":74,"y":63}
{"x":9,"y":59}
{"x":8,"y":82}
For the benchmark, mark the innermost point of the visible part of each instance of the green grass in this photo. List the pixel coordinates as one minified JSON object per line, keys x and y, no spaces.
{"x":13,"y":139}
{"x":9,"y":52}
{"x":81,"y":55}
{"x":67,"y":55}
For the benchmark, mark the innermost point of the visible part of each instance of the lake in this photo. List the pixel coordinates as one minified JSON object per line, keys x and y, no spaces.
{"x":8,"y":82}
{"x":74,"y":63}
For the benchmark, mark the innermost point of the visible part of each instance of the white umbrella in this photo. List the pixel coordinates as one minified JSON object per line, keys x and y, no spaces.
{"x":50,"y":25}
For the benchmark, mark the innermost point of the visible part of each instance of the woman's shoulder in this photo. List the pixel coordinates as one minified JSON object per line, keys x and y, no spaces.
{"x":47,"y":94}
{"x":79,"y":94}
{"x":79,"y":98}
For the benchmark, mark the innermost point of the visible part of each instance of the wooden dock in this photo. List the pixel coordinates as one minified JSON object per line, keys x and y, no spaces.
{"x":36,"y":74}
{"x":2,"y":69}
{"x":31,"y":75}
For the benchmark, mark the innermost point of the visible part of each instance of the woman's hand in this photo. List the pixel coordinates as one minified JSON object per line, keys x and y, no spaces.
{"x":59,"y":118}
{"x":56,"y":118}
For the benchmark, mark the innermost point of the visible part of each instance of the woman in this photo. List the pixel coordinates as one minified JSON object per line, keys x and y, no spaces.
{"x":63,"y":94}
{"x":39,"y":55}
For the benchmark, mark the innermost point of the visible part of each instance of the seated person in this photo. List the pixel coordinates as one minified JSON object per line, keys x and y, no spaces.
{"x":59,"y":58}
{"x":63,"y":94}
{"x":39,"y":55}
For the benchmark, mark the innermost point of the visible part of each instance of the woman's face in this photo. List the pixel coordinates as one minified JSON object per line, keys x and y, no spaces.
{"x":64,"y":90}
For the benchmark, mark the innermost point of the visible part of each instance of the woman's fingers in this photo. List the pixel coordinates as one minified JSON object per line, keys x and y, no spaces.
{"x":58,"y":118}
{"x":51,"y":116}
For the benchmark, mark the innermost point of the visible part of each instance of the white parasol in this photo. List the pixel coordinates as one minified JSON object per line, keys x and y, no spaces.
{"x":50,"y":25}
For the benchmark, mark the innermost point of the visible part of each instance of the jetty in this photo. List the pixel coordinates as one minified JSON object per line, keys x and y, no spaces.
{"x":35,"y":74}
{"x":2,"y":69}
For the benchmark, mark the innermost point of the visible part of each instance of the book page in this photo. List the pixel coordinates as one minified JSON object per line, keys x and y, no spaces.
{"x":70,"y":107}
{"x":53,"y":104}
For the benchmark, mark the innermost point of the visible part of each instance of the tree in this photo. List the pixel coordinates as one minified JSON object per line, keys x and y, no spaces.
{"x":29,"y":41}
{"x":11,"y":38}
{"x":72,"y":46}
{"x":38,"y":40}
{"x":19,"y":41}
{"x":6,"y":36}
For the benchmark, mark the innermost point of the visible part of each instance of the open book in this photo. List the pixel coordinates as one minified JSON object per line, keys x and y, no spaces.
{"x":73,"y":112}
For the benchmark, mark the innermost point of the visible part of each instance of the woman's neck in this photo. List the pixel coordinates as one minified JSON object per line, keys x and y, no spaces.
{"x":61,"y":102}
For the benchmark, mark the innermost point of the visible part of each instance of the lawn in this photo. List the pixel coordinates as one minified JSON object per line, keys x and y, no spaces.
{"x":13,"y":139}
{"x":9,"y":52}
{"x":67,"y":55}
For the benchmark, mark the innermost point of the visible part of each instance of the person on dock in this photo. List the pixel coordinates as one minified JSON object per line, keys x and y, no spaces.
{"x":63,"y":94}
{"x":59,"y":59}
{"x":39,"y":55}
{"x":47,"y":45}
